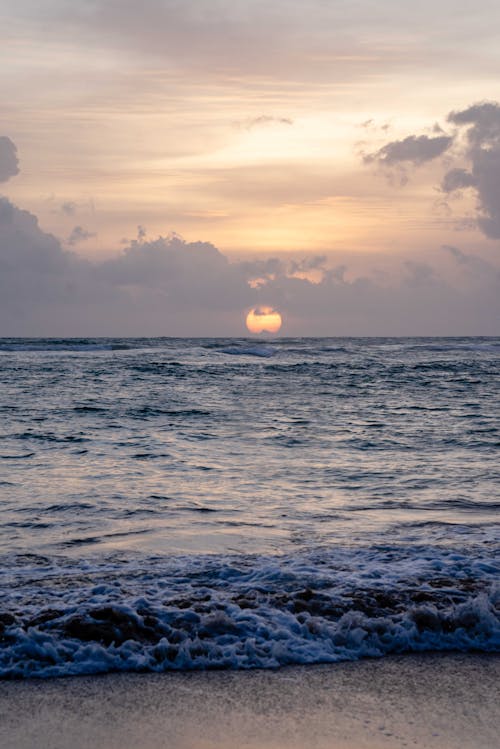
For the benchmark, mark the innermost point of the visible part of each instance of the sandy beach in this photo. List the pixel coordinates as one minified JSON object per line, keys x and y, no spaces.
{"x":428,"y":701}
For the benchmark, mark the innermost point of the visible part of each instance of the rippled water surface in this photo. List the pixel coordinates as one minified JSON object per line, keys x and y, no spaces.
{"x":299,"y":478}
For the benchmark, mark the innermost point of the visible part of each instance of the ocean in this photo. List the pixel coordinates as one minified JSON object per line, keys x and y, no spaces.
{"x":175,"y":504}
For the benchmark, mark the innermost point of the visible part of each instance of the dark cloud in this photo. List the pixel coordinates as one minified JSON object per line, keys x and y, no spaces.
{"x":9,"y":164}
{"x":314,"y":262}
{"x":79,"y":234}
{"x":479,"y":147}
{"x":264,"y":269}
{"x":168,"y":286}
{"x":482,"y":123}
{"x":457,"y":179}
{"x":23,"y":246}
{"x":397,"y":157}
{"x":484,"y":118}
{"x":190,"y":274}
{"x":263,"y":311}
{"x":42,"y":287}
{"x":415,"y":149}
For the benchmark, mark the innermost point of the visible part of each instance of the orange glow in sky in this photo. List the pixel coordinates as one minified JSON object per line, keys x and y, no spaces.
{"x":343,"y":161}
{"x":263,"y":320}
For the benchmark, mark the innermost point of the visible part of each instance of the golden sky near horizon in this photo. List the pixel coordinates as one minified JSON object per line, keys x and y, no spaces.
{"x":240,"y":123}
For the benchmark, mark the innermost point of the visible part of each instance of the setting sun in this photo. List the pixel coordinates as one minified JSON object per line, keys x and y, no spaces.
{"x":263,"y":320}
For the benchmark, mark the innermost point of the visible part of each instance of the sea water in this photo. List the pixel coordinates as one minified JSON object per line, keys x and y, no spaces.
{"x":208,"y":503}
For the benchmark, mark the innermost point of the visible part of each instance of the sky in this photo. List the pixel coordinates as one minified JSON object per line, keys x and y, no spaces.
{"x":169,"y":165}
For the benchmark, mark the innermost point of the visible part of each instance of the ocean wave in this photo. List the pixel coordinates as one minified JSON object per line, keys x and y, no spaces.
{"x":97,"y":343}
{"x":48,"y":437}
{"x":17,"y":457}
{"x":63,"y":618}
{"x":262,"y":351}
{"x":458,"y":345}
{"x":56,"y":346}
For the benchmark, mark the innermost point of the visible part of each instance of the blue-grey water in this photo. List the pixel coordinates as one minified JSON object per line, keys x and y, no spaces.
{"x":207,"y":503}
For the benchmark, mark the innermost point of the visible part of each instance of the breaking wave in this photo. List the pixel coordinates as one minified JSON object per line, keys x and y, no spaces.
{"x":159,"y":614}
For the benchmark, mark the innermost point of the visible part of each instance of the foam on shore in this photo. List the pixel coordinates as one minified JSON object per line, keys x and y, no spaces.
{"x":64,"y":618}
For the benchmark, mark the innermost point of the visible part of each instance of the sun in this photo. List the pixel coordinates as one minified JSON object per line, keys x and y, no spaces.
{"x":263,"y":320}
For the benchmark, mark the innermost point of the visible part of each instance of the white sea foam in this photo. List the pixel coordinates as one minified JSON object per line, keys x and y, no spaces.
{"x":230,"y":612}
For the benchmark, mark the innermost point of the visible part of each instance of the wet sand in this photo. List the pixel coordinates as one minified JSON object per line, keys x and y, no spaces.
{"x":429,"y":701}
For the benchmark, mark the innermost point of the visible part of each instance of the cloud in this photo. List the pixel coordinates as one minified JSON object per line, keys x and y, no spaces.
{"x":415,"y":149}
{"x":484,"y":117}
{"x":9,"y":164}
{"x":472,"y":264}
{"x":482,"y":151}
{"x":68,"y":208}
{"x":167,"y":286}
{"x":332,"y":41}
{"x":476,"y":141}
{"x":372,"y":125}
{"x":396,"y":157}
{"x":79,"y":234}
{"x":227,"y":37}
{"x":24,"y":246}
{"x":457,"y":179}
{"x":263,"y":120}
{"x":42,"y":286}
{"x":419,"y":275}
{"x":191,"y":275}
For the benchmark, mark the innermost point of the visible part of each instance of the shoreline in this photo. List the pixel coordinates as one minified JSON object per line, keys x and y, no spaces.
{"x":428,"y":701}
